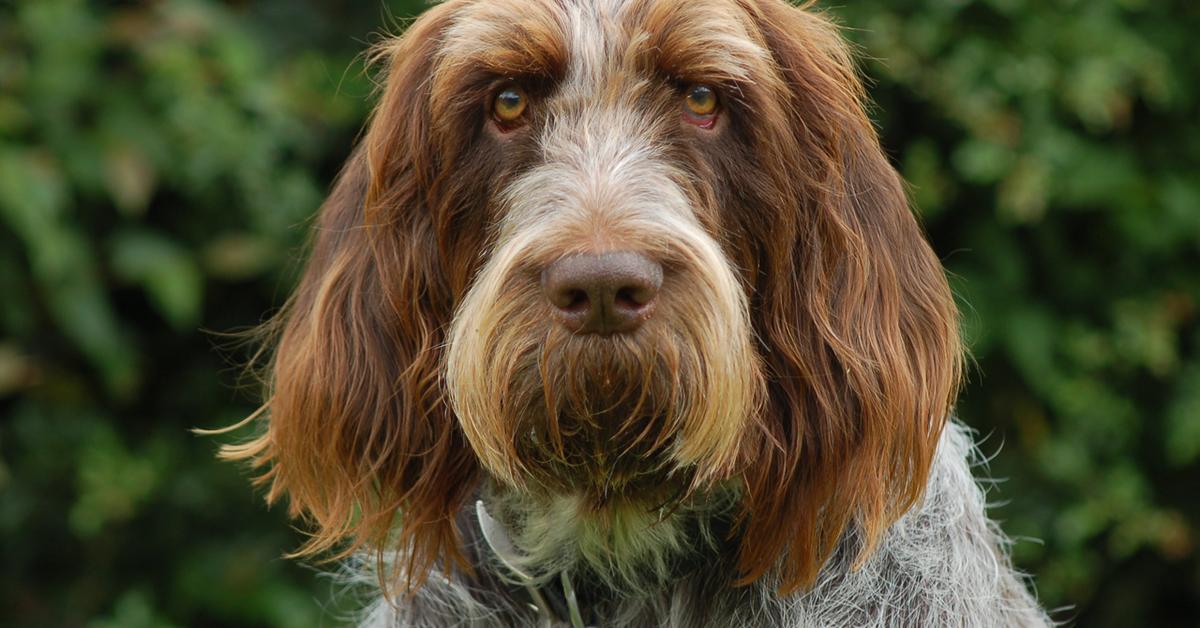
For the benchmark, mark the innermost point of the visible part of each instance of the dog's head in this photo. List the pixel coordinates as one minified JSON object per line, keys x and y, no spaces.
{"x":619,"y":249}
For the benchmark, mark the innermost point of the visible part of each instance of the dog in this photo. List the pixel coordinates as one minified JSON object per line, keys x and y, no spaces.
{"x":618,"y":316}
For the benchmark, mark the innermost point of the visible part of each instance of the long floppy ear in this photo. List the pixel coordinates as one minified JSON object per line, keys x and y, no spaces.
{"x":858,"y":325}
{"x":359,"y":436}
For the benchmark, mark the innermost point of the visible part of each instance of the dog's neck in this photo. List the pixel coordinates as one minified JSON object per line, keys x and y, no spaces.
{"x":624,"y":547}
{"x":942,"y":563}
{"x":568,"y":555}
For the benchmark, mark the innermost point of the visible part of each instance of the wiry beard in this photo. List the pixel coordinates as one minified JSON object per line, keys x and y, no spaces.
{"x":648,"y":414}
{"x":604,"y":420}
{"x":598,"y":426}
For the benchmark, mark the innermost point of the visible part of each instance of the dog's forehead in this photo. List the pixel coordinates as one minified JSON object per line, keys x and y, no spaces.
{"x":594,"y":40}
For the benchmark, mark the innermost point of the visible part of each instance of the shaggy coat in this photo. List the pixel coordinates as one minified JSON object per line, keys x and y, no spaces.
{"x":943,"y":564}
{"x":768,"y":445}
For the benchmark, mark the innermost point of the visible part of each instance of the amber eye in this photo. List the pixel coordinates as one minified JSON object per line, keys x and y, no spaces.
{"x":510,"y":104}
{"x":701,"y":103}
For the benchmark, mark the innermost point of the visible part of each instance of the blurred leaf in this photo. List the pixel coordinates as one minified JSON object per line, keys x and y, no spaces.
{"x":14,"y":117}
{"x":130,"y":177}
{"x":214,"y":577}
{"x":1024,"y":193}
{"x":16,"y":370}
{"x":33,"y":200}
{"x":1145,"y":334}
{"x":165,"y":270}
{"x":239,"y":256}
{"x":929,"y":184}
{"x":1183,"y":420}
{"x":983,"y":162}
{"x":134,"y":610}
{"x":113,"y":483}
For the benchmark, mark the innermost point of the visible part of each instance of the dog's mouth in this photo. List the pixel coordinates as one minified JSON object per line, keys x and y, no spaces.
{"x":600,"y":461}
{"x":604,"y":419}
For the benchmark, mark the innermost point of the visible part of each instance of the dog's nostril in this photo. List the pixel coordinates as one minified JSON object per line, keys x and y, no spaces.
{"x":634,"y":297}
{"x":625,"y":298}
{"x":577,"y":300}
{"x":603,"y":294}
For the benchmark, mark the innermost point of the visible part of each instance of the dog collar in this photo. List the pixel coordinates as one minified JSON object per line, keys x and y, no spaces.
{"x":506,"y":552}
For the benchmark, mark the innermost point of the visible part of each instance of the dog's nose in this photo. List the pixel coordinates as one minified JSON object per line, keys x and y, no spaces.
{"x":609,"y":293}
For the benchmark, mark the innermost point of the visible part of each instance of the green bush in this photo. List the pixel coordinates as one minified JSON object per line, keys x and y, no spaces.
{"x":1054,"y":152}
{"x":158,"y":167}
{"x":159,"y":163}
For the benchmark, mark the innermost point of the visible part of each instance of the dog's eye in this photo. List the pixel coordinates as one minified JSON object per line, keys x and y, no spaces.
{"x":701,"y":105}
{"x":510,"y":104}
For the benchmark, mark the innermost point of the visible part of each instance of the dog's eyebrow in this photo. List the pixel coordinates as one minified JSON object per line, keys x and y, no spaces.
{"x":509,"y":39}
{"x":709,"y":42}
{"x":712,"y":41}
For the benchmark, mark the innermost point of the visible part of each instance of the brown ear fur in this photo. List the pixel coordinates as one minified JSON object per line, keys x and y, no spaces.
{"x":358,"y":429}
{"x":859,"y":327}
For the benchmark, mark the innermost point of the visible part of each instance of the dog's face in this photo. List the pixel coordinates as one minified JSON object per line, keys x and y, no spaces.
{"x":625,"y":250}
{"x":603,"y":343}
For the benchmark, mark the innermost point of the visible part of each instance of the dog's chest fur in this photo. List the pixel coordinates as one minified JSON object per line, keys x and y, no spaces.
{"x":943,"y":564}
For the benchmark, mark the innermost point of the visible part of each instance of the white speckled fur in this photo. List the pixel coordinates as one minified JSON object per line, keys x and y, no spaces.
{"x":943,"y":564}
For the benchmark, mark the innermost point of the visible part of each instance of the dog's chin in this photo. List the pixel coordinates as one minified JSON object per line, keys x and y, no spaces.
{"x":603,"y":420}
{"x":600,"y":467}
{"x":626,"y":540}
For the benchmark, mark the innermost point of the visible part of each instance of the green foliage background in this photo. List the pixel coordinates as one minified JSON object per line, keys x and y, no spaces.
{"x":159,"y":162}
